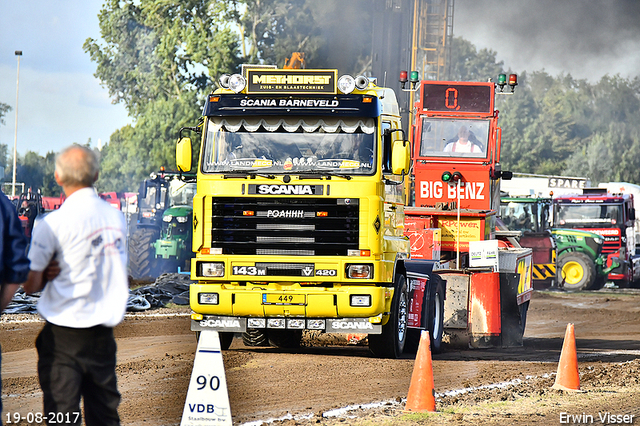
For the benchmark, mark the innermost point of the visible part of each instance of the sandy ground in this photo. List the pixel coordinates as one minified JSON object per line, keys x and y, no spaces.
{"x":314,"y":384}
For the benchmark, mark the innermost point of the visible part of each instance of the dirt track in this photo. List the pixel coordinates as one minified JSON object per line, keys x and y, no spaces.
{"x":156,"y":352}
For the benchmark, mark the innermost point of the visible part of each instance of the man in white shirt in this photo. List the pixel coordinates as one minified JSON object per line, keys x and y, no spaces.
{"x":463,"y":144}
{"x":76,"y":347}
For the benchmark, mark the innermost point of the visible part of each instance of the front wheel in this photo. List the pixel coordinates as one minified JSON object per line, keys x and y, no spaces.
{"x":390,"y":344}
{"x":576,"y":271}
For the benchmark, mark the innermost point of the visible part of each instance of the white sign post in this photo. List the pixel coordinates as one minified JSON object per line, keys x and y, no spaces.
{"x":484,"y":253}
{"x":207,"y":400}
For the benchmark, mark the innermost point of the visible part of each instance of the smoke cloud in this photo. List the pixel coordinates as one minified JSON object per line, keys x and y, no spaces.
{"x":586,"y":39}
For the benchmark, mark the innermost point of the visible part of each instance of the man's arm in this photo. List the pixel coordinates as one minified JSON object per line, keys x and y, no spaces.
{"x":8,"y":290}
{"x":35,"y":282}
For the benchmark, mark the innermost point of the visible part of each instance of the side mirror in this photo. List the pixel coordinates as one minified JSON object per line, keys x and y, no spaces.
{"x":401,"y":158}
{"x":183,"y":155}
{"x":632,"y":213}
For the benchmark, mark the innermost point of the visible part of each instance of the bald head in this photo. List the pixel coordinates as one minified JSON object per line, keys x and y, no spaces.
{"x":77,"y":166}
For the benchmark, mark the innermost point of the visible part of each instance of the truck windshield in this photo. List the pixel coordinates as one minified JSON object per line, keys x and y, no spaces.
{"x":181,"y":193}
{"x":453,"y":138}
{"x":154,"y":198}
{"x":525,"y":216}
{"x":588,"y":216}
{"x":291,"y":145}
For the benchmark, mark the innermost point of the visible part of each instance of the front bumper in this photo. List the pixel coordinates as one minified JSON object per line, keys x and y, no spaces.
{"x":329,"y":325}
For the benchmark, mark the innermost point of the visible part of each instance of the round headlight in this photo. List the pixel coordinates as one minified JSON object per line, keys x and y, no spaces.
{"x":167,"y":218}
{"x":346,"y":84}
{"x":224,"y":81}
{"x":237,"y":83}
{"x":182,"y":219}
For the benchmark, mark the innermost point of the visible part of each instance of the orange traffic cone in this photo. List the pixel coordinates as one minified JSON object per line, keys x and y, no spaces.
{"x":568,"y":378}
{"x":421,"y":395}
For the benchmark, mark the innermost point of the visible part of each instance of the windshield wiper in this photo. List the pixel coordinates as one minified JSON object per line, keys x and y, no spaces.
{"x":326,"y":175}
{"x":238,"y":174}
{"x":253,"y":175}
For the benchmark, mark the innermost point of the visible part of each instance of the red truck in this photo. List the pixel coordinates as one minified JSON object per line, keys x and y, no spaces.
{"x":610,"y":215}
{"x":452,"y":218}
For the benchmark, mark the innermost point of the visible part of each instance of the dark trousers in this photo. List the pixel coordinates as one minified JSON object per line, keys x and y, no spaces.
{"x":75,"y":363}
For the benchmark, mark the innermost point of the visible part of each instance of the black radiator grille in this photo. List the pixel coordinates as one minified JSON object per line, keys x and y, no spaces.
{"x":285,"y":226}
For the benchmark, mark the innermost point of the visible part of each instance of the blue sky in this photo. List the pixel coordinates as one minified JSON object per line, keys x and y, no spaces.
{"x":61,"y":102}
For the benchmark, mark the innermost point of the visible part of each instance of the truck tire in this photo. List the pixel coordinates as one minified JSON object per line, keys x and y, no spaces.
{"x":225,"y":339}
{"x":576,"y":271}
{"x":434,"y":322}
{"x":390,"y":344}
{"x":141,"y":253}
{"x":436,"y":316}
{"x":284,"y":339}
{"x":255,"y":337}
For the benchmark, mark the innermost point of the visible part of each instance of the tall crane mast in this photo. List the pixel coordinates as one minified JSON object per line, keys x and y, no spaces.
{"x":414,"y":35}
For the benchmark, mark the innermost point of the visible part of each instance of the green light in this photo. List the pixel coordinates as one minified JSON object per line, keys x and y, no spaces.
{"x":502,"y":79}
{"x":446,"y":176}
{"x":414,"y":76}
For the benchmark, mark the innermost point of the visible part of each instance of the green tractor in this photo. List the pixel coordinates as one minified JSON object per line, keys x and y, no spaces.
{"x":580,"y":263}
{"x":576,"y":261}
{"x":161,"y":237}
{"x":173,"y":249}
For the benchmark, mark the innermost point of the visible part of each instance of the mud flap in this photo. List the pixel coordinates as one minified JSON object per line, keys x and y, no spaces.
{"x":511,"y":321}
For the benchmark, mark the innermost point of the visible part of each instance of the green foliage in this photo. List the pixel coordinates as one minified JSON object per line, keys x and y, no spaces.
{"x":467,"y":64}
{"x":274,"y":29}
{"x":135,"y":151}
{"x":4,"y":109}
{"x":162,"y":49}
{"x":37,"y":173}
{"x":161,"y":57}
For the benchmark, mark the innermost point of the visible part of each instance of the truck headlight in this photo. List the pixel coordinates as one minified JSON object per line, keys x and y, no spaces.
{"x":361,"y":300}
{"x":208,"y":298}
{"x":212,"y":269}
{"x":167,"y":218}
{"x":346,"y":84}
{"x":237,"y":83}
{"x":598,"y":240}
{"x":182,"y":219}
{"x":359,"y":271}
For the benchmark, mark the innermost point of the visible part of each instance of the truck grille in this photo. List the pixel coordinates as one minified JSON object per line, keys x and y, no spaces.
{"x":285,"y":226}
{"x":611,"y":245}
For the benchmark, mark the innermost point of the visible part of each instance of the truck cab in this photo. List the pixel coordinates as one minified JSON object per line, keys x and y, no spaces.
{"x":299,"y":212}
{"x":612,"y":216}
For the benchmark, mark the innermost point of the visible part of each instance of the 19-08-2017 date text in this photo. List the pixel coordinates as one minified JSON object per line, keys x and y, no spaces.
{"x":39,"y":418}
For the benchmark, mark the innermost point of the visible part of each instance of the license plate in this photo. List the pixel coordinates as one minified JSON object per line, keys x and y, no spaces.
{"x":283,"y":299}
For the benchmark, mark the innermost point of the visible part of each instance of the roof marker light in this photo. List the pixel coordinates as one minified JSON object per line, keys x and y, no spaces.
{"x":513,"y":81}
{"x":502,"y":81}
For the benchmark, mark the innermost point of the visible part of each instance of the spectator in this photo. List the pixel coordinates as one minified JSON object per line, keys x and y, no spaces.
{"x":76,"y":347}
{"x":14,"y":266}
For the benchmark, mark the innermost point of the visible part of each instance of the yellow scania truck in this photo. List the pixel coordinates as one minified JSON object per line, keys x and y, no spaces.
{"x":298,"y":220}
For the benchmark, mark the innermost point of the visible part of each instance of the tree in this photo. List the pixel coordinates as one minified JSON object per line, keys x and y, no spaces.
{"x":274,"y":29}
{"x":469,"y":64}
{"x":134,"y":152}
{"x":162,"y":49}
{"x":159,"y":58}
